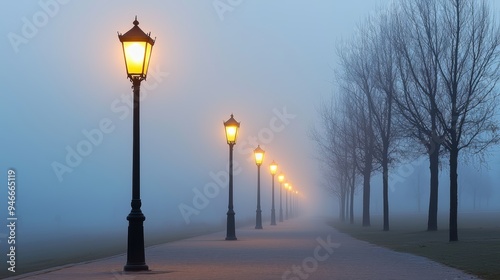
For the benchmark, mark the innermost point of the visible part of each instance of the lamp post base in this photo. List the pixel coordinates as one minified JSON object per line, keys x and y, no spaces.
{"x":258,"y":224}
{"x":273,"y":217}
{"x":281,"y":215}
{"x":231,"y":226}
{"x":135,"y":267}
{"x":135,"y":249}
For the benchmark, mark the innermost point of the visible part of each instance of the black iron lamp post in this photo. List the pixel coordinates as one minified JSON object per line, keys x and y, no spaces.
{"x":259,"y":157}
{"x":296,"y":206}
{"x":286,"y":201}
{"x":290,"y":208}
{"x":273,"y":168}
{"x":281,"y":178}
{"x":137,"y":47}
{"x":231,"y":126}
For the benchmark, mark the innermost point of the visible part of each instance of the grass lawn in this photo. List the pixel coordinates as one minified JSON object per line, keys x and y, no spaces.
{"x":477,"y":251}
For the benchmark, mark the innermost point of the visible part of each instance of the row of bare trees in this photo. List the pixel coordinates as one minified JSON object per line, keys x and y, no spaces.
{"x":419,"y":78}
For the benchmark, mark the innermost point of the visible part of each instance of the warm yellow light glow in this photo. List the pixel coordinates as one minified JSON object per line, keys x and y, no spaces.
{"x":231,"y":127}
{"x":273,"y":168}
{"x":286,"y":185}
{"x":137,"y":47}
{"x":137,"y":56}
{"x":259,"y":155}
{"x":231,"y":133}
{"x":134,"y":52}
{"x":281,"y":178}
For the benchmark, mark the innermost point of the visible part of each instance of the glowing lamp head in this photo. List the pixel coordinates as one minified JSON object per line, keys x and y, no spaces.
{"x":232,"y":127}
{"x":281,"y":178}
{"x":137,"y":47}
{"x":286,"y":186}
{"x":273,"y":168}
{"x":259,"y":155}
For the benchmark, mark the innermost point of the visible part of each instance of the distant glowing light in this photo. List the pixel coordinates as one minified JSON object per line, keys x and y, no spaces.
{"x":231,"y":127}
{"x":273,"y":168}
{"x":259,"y":155}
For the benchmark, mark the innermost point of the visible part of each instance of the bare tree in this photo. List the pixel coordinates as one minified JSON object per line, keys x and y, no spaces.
{"x":356,"y":80}
{"x":448,"y":57}
{"x":385,"y":84}
{"x":335,"y":153}
{"x":438,"y":65}
{"x":349,"y":131}
{"x":417,"y":39}
{"x":468,"y":68}
{"x":368,"y":75}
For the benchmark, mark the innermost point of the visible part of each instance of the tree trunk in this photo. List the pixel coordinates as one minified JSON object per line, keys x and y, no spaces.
{"x":347,"y":200}
{"x":453,"y":194}
{"x":353,"y":184}
{"x":342,"y":206}
{"x":385,"y":183}
{"x":433,"y":199}
{"x":419,"y":193}
{"x":366,"y":196}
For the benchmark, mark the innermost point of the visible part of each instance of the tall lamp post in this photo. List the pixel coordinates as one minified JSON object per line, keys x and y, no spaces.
{"x":273,"y":168}
{"x":259,"y":157}
{"x":296,"y":203}
{"x":281,"y":178}
{"x":286,"y":201}
{"x":231,"y":126}
{"x":137,"y":47}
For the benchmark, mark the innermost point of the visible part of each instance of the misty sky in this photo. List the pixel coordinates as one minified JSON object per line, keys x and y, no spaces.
{"x":270,"y":63}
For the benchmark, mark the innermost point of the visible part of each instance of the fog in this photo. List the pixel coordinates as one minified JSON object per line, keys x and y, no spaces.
{"x":267,"y":62}
{"x":409,"y":187}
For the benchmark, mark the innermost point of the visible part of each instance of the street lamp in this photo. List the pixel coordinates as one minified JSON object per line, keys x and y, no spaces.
{"x":273,"y":168}
{"x":286,"y":201}
{"x":231,"y":126}
{"x":259,"y":157}
{"x":296,"y":207}
{"x":290,"y":209}
{"x":281,"y":178}
{"x":137,"y":47}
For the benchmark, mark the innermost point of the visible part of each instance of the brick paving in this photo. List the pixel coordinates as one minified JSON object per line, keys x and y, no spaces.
{"x":303,"y":248}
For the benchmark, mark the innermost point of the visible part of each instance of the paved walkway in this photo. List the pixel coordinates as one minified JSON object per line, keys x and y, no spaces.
{"x":296,"y":249}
